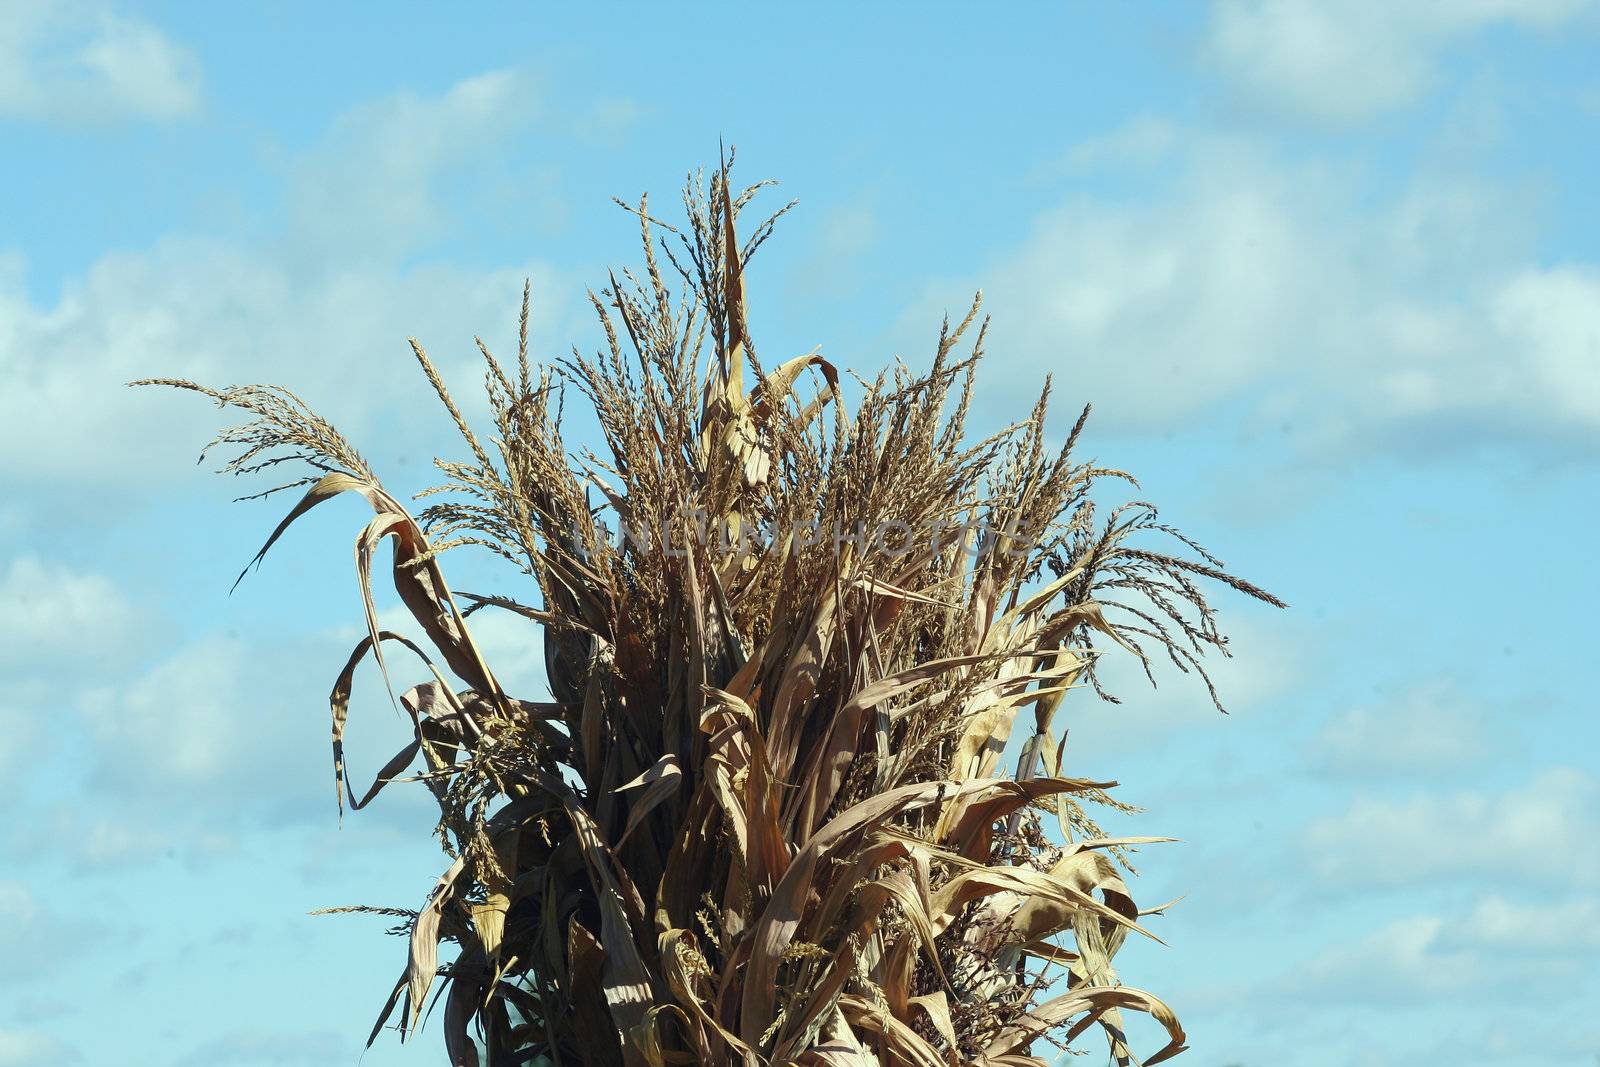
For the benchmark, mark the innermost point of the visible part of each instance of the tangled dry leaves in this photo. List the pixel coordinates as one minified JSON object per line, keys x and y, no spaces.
{"x":762,"y":818}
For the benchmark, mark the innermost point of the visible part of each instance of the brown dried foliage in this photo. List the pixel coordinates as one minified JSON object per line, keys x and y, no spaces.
{"x":763,"y":818}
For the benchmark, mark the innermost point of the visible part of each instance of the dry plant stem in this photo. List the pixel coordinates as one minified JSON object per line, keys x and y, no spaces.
{"x":762,"y":818}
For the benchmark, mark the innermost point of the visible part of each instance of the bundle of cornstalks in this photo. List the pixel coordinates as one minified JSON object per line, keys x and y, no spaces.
{"x":762,"y":816}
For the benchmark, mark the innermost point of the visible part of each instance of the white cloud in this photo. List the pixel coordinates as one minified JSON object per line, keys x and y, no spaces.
{"x":371,"y":191}
{"x":243,"y":724}
{"x":1421,"y":731}
{"x":1453,"y":958}
{"x":18,"y":908}
{"x":37,"y":939}
{"x":58,"y":627}
{"x":1304,"y":300}
{"x":514,"y":648}
{"x":1266,"y":660}
{"x":841,"y":241}
{"x":193,"y":720}
{"x":52,"y":615}
{"x":1520,"y":926}
{"x":1554,"y":317}
{"x":325,"y":309}
{"x":608,"y":120}
{"x":32,"y":1048}
{"x":246,"y":717}
{"x":81,"y":61}
{"x":271,"y":1046}
{"x":1143,"y":141}
{"x":1538,"y":834}
{"x":1343,"y":63}
{"x":1403,"y":960}
{"x":172,"y":756}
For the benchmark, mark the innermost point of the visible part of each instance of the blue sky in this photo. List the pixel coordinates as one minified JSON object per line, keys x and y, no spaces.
{"x":1329,"y":272}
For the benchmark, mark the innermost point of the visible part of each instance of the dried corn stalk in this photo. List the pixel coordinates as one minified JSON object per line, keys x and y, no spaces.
{"x":762,"y":819}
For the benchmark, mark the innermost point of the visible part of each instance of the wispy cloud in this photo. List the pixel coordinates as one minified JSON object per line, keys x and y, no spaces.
{"x":1537,"y":834}
{"x":371,"y":191}
{"x":43,"y":936}
{"x":1158,"y":721}
{"x":1426,"y":729}
{"x":262,"y":1046}
{"x":136,"y":743}
{"x":84,"y":62}
{"x":52,"y":614}
{"x":1347,"y":62}
{"x":1143,"y":141}
{"x":1452,"y":956}
{"x":1562,"y":928}
{"x":33,"y":1048}
{"x":326,"y":308}
{"x":60,"y":628}
{"x":1403,"y":961}
{"x":1352,"y":320}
